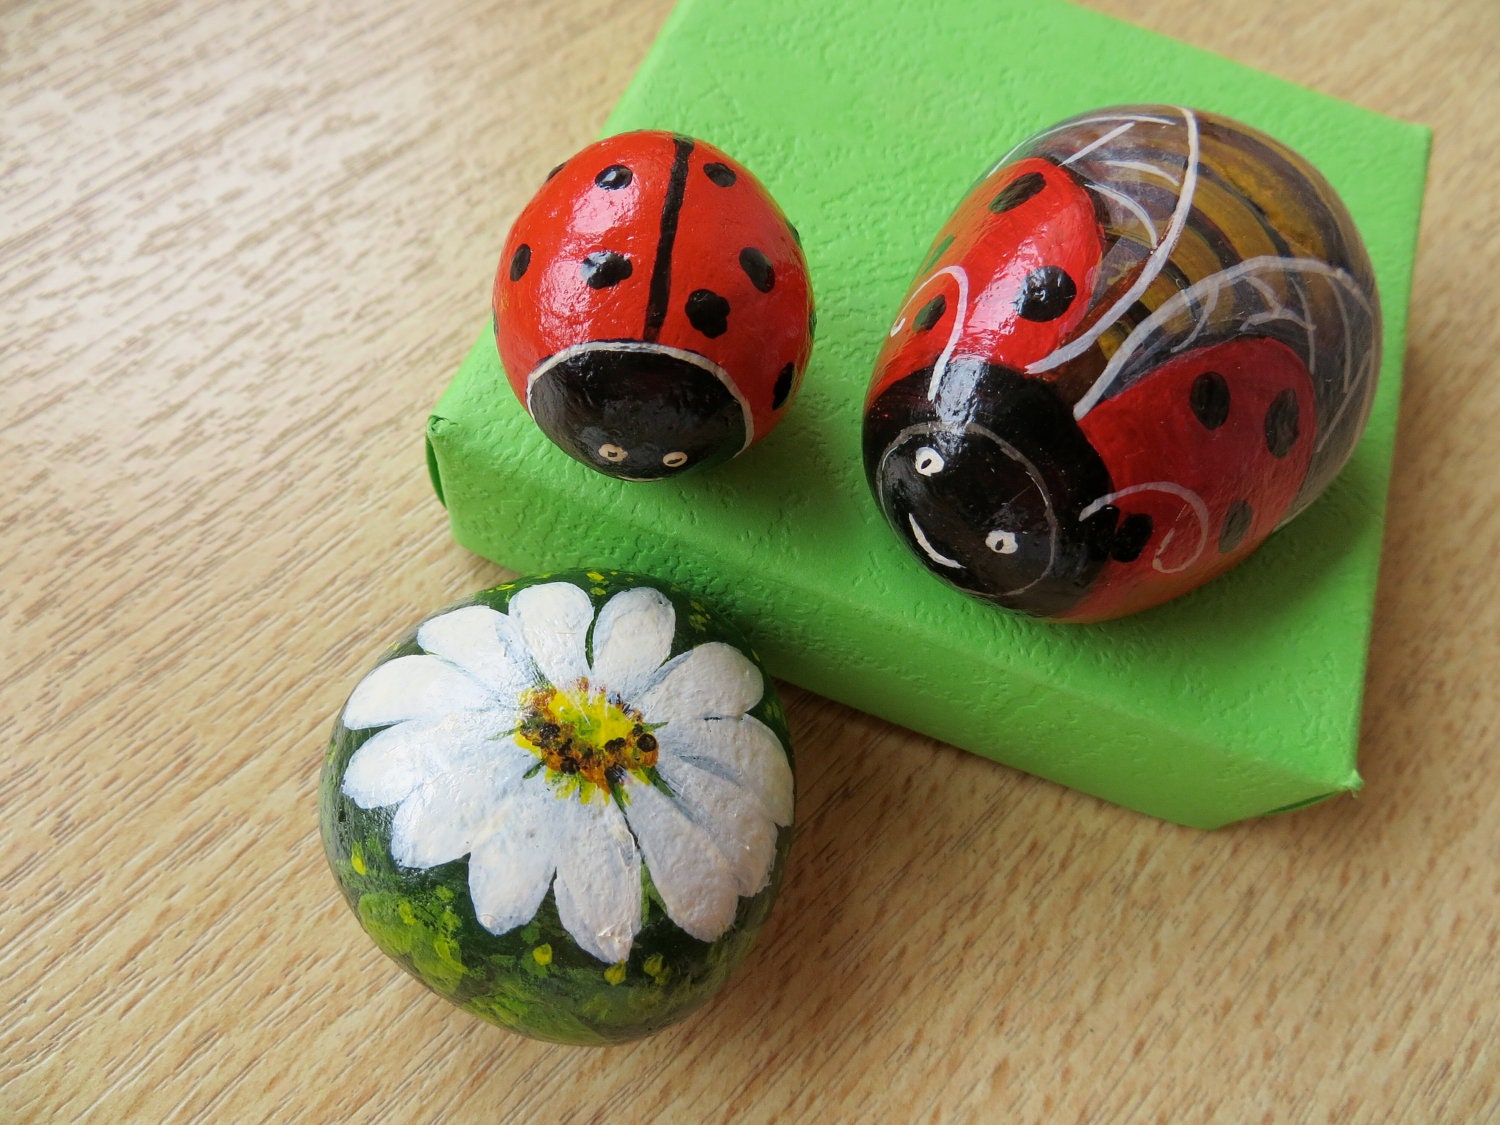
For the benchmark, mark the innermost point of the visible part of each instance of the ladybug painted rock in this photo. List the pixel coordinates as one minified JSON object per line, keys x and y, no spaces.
{"x":1146,"y":338}
{"x":564,"y":805}
{"x":652,"y":307}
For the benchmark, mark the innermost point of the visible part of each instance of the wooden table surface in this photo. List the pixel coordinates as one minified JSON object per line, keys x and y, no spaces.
{"x":242,"y":247}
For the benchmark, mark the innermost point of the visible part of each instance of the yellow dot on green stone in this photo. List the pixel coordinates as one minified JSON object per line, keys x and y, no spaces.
{"x":615,"y":973}
{"x":598,"y":591}
{"x":357,"y":861}
{"x":542,"y":954}
{"x":653,"y":964}
{"x":594,"y":575}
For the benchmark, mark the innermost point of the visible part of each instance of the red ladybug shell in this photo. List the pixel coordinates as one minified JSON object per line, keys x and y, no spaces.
{"x":1143,"y":341}
{"x":650,"y":264}
{"x":1018,"y":228}
{"x":1205,"y":456}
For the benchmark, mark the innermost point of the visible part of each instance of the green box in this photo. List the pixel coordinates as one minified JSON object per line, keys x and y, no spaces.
{"x":868,"y":121}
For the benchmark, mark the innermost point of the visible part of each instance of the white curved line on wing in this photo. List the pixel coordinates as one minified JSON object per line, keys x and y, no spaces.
{"x":1098,"y":119}
{"x":1143,"y":166}
{"x":941,"y":366}
{"x":1206,"y":292}
{"x":1153,"y":266}
{"x":1186,"y":495}
{"x":1130,"y":205}
{"x":1104,"y":140}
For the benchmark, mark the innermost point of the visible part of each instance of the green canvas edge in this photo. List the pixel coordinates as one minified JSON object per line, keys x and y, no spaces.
{"x":480,"y":437}
{"x":1213,"y":788}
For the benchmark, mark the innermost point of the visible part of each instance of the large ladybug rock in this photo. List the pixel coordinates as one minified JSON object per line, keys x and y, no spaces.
{"x":1146,"y":338}
{"x":564,"y":805}
{"x":652,"y":307}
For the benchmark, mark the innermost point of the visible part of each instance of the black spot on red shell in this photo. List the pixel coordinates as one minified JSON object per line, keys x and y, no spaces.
{"x":930,"y":313}
{"x":1017,"y":192}
{"x":1236,"y":524}
{"x":1282,"y":423}
{"x":1209,"y":399}
{"x":1046,"y":294}
{"x":519,"y":261}
{"x":614,"y":177}
{"x":758,"y":269}
{"x":708,"y":312}
{"x":604,"y":268}
{"x":1131,"y":537}
{"x":721,"y":174}
{"x":783,"y":385}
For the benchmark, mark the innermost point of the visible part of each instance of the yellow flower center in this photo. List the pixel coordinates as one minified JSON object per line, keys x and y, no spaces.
{"x":586,"y":739}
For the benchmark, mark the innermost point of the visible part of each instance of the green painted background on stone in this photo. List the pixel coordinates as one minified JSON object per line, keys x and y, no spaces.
{"x":868,"y":121}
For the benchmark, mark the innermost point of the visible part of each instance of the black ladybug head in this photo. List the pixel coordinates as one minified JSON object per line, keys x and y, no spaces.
{"x":990,"y":483}
{"x":638,"y":411}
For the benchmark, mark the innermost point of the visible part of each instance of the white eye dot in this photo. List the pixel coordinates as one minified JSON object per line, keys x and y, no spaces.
{"x":672,"y":460}
{"x":612,"y":453}
{"x":1001,"y":542}
{"x":928,"y":461}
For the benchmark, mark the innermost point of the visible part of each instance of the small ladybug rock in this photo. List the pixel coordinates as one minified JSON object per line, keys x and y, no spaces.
{"x":652,"y":307}
{"x":1146,"y":338}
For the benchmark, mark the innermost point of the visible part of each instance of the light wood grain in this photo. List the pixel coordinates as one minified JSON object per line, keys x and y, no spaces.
{"x":241,"y":248}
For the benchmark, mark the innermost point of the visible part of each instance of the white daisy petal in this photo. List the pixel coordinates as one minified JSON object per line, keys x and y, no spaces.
{"x":632,"y":638}
{"x":511,"y":869}
{"x":412,"y":687}
{"x":742,"y":750}
{"x":735,"y":820}
{"x":598,"y":886}
{"x":709,"y":681}
{"x":553,"y":621}
{"x":444,"y":818}
{"x":693,"y":878}
{"x":400,"y":758}
{"x":484,"y":644}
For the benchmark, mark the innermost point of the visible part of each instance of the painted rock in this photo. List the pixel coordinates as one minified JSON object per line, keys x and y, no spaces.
{"x":1146,"y":338}
{"x":652,"y":307}
{"x":565,"y":804}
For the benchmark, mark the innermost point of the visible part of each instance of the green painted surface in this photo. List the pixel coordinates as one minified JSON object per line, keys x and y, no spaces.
{"x":868,"y":121}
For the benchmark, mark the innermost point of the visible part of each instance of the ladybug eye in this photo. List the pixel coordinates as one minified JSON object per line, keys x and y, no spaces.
{"x":928,"y":461}
{"x":1002,"y":542}
{"x":674,"y":459}
{"x":612,"y":453}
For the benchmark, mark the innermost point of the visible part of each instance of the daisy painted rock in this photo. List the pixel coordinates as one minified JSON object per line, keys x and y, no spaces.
{"x":565,"y":804}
